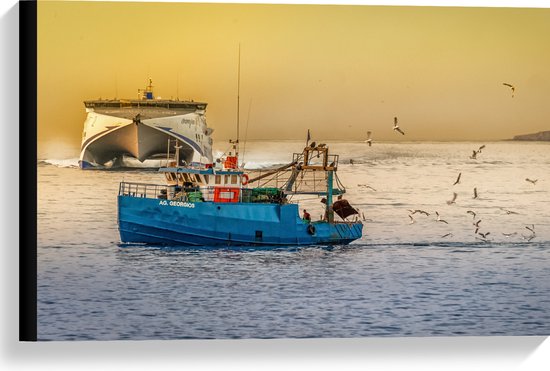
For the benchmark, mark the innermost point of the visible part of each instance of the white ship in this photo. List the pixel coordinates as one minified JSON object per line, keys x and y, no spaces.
{"x":145,"y":128}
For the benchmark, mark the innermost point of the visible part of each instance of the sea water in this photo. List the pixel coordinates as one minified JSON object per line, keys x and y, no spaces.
{"x":404,"y":277}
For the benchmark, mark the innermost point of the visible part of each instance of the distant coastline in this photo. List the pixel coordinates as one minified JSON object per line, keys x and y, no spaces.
{"x":540,"y":136}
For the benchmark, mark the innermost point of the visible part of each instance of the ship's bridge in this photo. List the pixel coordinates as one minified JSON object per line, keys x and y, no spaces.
{"x":140,"y":103}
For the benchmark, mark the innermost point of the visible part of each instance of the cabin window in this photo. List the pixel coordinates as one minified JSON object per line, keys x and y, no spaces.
{"x":259,"y":235}
{"x":218,"y":179}
{"x":180,"y":178}
{"x":226,"y":179}
{"x":198,"y":178}
{"x":185,"y":178}
{"x":233,"y":179}
{"x":206,"y":178}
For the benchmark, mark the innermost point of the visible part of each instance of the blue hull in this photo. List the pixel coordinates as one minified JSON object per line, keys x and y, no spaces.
{"x":154,"y":221}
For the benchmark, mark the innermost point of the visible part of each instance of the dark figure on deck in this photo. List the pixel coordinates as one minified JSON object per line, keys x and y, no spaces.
{"x":306,"y":216}
{"x":343,"y":208}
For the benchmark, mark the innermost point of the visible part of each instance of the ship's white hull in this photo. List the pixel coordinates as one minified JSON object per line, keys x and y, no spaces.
{"x":109,"y":136}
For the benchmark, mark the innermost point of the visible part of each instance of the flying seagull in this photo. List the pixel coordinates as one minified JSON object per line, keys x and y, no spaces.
{"x":412,"y":219}
{"x":510,"y":86}
{"x":532,"y":228}
{"x":471,"y":212}
{"x":477,"y":225}
{"x":475,"y":193}
{"x":476,"y":152}
{"x":366,"y":186}
{"x":484,"y":235}
{"x":528,"y":238}
{"x":533,"y":181}
{"x":509,"y":234}
{"x":369,"y":140}
{"x":396,"y":127}
{"x":439,"y":218}
{"x":508,"y":212}
{"x":453,"y":200}
{"x":457,"y":179}
{"x":447,"y":235}
{"x":418,"y":211}
{"x":422,"y":212}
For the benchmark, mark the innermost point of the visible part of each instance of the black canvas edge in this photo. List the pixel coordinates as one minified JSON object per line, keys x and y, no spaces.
{"x":27,"y":170}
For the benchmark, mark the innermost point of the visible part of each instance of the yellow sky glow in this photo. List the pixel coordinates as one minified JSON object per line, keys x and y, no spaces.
{"x":337,"y":70}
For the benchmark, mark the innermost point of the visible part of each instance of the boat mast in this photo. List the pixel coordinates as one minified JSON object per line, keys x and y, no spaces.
{"x":168,"y":153}
{"x":238,"y":101}
{"x":177,"y":149}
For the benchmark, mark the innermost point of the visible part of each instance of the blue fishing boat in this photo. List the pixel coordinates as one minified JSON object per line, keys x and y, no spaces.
{"x":220,"y":204}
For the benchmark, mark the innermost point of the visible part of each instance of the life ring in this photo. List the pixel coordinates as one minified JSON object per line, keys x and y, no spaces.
{"x":244,"y":180}
{"x":311,"y":229}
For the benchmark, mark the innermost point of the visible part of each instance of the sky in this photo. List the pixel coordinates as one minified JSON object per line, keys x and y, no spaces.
{"x":338,"y":70}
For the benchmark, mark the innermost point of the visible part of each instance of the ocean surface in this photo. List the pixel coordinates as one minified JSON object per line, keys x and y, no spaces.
{"x":405,"y":277}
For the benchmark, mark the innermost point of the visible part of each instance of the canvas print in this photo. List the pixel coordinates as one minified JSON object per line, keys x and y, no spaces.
{"x":236,"y":171}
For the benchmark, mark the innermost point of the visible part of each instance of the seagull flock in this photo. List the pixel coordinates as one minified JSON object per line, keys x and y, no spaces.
{"x":483,"y":236}
{"x":476,"y":223}
{"x":398,"y":130}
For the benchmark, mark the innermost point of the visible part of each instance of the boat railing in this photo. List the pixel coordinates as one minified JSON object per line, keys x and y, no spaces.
{"x":201,"y":194}
{"x":141,"y":190}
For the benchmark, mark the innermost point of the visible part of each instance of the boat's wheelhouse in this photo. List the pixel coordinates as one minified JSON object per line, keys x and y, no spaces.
{"x":207,"y":184}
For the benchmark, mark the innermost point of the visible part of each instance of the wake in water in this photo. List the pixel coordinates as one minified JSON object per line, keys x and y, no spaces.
{"x":126,"y":163}
{"x":69,"y":162}
{"x":132,"y":163}
{"x":452,"y":246}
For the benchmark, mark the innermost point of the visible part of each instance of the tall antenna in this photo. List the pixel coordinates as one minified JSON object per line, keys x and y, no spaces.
{"x":178,"y":87}
{"x":235,"y":143}
{"x":238,"y":97}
